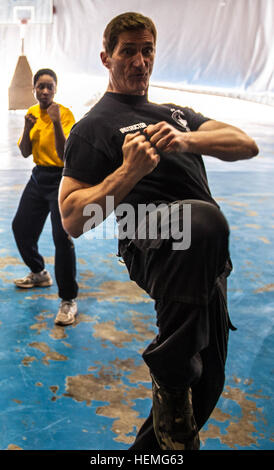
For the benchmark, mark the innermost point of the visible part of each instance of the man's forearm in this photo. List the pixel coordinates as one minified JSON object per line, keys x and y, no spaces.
{"x":212,"y":138}
{"x":117,"y":185}
{"x":228,"y":144}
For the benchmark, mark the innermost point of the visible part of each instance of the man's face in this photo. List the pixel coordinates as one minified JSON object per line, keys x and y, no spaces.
{"x":45,"y":89}
{"x":131,"y":63}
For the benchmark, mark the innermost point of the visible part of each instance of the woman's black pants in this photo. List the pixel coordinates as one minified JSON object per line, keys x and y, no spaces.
{"x":40,"y":197}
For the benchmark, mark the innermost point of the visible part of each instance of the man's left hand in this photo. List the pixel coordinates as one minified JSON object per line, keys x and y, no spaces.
{"x":166,"y":138}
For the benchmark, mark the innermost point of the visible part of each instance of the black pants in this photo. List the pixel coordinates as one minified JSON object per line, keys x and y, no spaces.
{"x":189,"y":289}
{"x":40,"y":197}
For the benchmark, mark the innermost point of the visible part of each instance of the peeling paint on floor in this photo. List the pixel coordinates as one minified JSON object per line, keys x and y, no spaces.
{"x":119,"y":291}
{"x":50,"y":355}
{"x":266,"y":288}
{"x":110,"y":388}
{"x":239,"y":431}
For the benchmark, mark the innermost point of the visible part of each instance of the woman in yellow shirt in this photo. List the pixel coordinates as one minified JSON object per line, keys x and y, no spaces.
{"x":47,"y":125}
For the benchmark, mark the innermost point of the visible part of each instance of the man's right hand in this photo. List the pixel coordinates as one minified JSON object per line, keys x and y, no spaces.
{"x":140,"y":157}
{"x":30,"y":120}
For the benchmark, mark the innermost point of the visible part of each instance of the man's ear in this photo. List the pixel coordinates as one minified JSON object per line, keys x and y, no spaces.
{"x":105,"y":59}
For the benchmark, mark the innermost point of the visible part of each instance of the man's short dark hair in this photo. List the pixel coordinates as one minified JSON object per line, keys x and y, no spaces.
{"x":129,"y":21}
{"x":44,"y":72}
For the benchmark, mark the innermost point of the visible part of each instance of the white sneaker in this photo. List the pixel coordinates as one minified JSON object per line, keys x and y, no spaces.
{"x":66,"y":313}
{"x":42,"y":279}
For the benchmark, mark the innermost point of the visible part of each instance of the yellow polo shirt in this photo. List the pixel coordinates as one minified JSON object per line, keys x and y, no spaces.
{"x":42,"y":135}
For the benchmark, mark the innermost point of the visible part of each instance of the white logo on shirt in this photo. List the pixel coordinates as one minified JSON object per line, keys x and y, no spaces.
{"x":178,"y":116}
{"x":134,"y":127}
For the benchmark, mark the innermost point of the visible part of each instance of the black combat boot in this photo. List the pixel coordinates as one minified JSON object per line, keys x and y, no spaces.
{"x":173,"y":420}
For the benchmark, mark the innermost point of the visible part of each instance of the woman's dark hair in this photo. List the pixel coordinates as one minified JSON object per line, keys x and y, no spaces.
{"x":44,"y":72}
{"x":125,"y":22}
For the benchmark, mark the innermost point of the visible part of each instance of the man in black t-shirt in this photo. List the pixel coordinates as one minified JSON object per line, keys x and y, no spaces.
{"x":143,"y":155}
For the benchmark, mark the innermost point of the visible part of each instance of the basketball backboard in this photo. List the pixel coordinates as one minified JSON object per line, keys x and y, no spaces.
{"x":26,"y":11}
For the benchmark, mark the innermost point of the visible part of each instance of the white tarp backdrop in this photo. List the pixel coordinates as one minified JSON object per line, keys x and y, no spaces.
{"x":218,"y":44}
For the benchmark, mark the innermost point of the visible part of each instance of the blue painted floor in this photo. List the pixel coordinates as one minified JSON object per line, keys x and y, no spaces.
{"x":85,"y":387}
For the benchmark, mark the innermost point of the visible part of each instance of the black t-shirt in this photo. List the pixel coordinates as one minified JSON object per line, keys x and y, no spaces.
{"x":94,"y":149}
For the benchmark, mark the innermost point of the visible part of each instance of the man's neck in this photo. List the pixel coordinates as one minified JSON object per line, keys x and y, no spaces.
{"x":121,"y":92}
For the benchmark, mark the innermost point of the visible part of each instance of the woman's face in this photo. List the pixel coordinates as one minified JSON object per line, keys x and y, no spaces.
{"x":45,"y":89}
